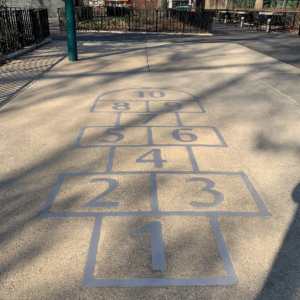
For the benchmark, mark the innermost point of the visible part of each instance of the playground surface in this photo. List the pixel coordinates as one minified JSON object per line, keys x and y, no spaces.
{"x":153,"y":169}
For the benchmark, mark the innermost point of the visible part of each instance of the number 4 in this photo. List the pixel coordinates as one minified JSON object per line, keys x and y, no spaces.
{"x":157,"y":159}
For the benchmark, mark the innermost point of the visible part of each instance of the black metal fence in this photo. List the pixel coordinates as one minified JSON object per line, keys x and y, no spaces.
{"x":149,"y":20}
{"x":19,"y":27}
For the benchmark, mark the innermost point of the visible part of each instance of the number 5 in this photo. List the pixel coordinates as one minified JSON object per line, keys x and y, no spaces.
{"x":118,"y":135}
{"x":219,"y":197}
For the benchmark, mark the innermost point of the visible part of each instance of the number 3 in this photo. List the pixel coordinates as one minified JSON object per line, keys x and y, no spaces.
{"x":219,"y":197}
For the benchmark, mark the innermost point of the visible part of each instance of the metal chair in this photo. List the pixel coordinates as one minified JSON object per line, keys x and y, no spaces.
{"x":252,"y":21}
{"x":261,"y":20}
{"x":221,"y":17}
{"x":229,"y":19}
{"x":236,"y":21}
{"x":287,"y":20}
{"x":277,"y":22}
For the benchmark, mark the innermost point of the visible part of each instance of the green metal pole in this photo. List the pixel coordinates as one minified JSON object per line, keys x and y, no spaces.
{"x":71,"y":30}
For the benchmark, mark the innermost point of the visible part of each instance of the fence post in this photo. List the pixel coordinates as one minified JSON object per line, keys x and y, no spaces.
{"x":102,"y":11}
{"x":33,"y":18}
{"x":129,"y":19}
{"x":19,"y":18}
{"x":156,"y":20}
{"x":71,"y":30}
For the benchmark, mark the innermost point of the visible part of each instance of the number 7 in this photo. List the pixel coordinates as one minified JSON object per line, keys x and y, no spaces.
{"x":152,"y":116}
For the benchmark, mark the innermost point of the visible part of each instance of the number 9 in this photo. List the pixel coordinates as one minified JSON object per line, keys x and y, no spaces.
{"x":174,"y":105}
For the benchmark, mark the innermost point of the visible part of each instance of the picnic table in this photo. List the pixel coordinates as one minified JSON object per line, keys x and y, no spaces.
{"x":269,"y":16}
{"x":226,"y":13}
{"x":242,"y":13}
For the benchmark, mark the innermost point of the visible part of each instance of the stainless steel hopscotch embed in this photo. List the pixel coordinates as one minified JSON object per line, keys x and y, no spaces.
{"x":144,"y":187}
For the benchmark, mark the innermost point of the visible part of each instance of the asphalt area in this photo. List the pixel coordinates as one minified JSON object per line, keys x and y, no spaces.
{"x":153,"y":171}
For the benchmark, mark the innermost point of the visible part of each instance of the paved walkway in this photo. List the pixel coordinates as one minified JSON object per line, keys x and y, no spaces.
{"x":18,"y":74}
{"x":153,"y":169}
{"x":284,"y":47}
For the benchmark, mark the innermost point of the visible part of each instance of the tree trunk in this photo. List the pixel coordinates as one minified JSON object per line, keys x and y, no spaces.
{"x":259,"y":4}
{"x":162,"y":4}
{"x":207,"y":4}
{"x":284,"y":4}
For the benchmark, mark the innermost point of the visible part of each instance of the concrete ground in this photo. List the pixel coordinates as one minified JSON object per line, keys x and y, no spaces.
{"x":154,"y":168}
{"x":18,"y":74}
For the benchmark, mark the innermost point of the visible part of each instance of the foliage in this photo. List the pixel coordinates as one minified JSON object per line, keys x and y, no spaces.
{"x":105,"y":23}
{"x":241,"y":3}
{"x":3,"y":4}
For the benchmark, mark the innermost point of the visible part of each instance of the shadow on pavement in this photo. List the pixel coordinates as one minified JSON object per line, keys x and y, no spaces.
{"x":284,"y":279}
{"x":282,"y":46}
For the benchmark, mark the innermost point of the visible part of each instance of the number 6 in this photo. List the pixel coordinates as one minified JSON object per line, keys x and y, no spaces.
{"x":176,"y":135}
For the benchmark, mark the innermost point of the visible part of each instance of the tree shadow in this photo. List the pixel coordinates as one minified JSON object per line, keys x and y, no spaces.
{"x":284,"y":278}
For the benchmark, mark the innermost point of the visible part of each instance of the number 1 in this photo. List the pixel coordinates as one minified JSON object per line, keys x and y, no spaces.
{"x":157,"y":244}
{"x":141,"y":94}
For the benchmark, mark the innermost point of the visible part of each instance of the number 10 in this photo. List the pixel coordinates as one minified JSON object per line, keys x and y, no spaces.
{"x":151,"y":94}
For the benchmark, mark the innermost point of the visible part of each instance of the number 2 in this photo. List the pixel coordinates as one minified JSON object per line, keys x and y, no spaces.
{"x":219,"y":197}
{"x":113,"y":184}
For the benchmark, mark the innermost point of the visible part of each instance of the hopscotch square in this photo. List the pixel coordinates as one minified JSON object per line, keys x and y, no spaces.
{"x":78,"y":194}
{"x":152,"y":158}
{"x":205,"y":136}
{"x":175,"y":106}
{"x":229,"y":193}
{"x":127,"y":106}
{"x":104,"y":136}
{"x":149,"y":119}
{"x":216,"y":159}
{"x":118,"y":258}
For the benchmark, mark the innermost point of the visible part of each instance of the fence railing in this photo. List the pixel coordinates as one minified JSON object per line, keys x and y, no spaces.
{"x":144,"y":20}
{"x":21,"y":27}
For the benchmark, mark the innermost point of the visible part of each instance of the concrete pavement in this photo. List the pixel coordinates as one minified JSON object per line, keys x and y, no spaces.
{"x":153,"y":170}
{"x":16,"y":75}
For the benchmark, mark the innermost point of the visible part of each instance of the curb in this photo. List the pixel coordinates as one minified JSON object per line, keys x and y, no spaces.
{"x":138,"y":32}
{"x":26,"y":49}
